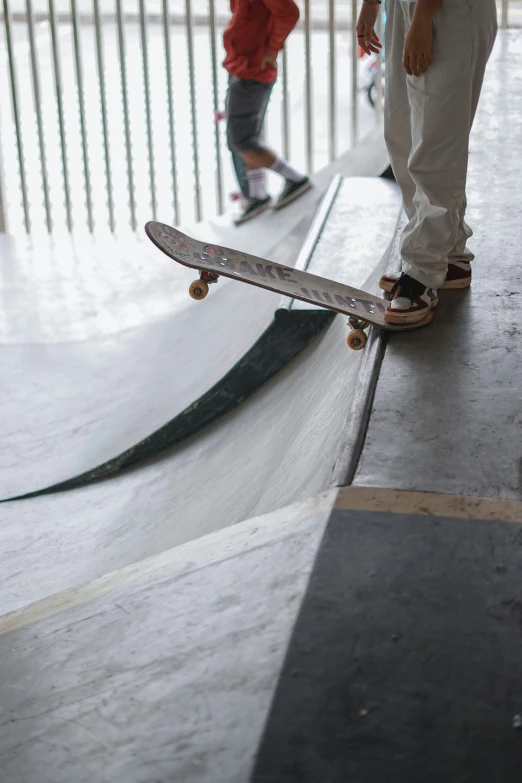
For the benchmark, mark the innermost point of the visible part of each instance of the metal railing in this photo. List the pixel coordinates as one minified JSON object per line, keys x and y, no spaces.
{"x":510,"y":13}
{"x":107,"y":108}
{"x":504,"y":14}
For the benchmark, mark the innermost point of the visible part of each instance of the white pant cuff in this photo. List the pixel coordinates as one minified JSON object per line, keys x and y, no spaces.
{"x":430,"y":281}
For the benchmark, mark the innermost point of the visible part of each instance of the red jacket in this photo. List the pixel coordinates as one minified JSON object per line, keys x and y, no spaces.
{"x":256,"y":27}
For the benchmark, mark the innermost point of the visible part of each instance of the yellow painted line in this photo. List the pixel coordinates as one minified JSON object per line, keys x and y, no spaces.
{"x":395,"y":501}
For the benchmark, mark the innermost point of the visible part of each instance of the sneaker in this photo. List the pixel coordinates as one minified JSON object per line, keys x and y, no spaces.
{"x":458,"y":276}
{"x":253,"y":207}
{"x":291,"y":191}
{"x":410,"y":301}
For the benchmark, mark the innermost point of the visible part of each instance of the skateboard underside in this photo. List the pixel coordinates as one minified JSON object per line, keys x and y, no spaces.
{"x":212,"y":262}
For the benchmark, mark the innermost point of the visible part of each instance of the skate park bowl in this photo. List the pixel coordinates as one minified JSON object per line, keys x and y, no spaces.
{"x":202,"y":469}
{"x":320,"y":584}
{"x":113,"y":363}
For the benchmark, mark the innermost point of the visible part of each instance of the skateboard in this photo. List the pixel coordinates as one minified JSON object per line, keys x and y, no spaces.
{"x":213,"y":262}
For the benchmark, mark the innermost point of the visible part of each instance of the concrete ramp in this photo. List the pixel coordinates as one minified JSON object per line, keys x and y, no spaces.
{"x":85,"y":408}
{"x":87,"y":396}
{"x":281,"y":445}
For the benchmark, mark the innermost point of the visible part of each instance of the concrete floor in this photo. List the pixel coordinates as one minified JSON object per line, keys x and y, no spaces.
{"x":368,"y":635}
{"x":453,"y":423}
{"x":404,"y":660}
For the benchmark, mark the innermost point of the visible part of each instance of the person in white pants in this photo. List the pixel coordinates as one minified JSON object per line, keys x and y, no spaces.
{"x":436,"y":55}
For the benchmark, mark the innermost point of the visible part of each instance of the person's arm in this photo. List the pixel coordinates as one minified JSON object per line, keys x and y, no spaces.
{"x":286,"y":16}
{"x":427,"y":9}
{"x":367,"y":38}
{"x":419,"y":41}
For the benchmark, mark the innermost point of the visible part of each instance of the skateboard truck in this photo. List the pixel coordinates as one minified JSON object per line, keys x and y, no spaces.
{"x":357,"y":337}
{"x":199,"y":288}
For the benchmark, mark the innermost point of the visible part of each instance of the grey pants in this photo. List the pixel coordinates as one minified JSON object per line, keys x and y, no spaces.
{"x":246,"y":105}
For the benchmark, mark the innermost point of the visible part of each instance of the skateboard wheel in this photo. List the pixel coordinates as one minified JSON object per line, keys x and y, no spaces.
{"x":357,"y":340}
{"x":198,"y":289}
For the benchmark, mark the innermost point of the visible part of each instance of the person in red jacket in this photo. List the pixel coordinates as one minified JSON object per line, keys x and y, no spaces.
{"x":254,"y":37}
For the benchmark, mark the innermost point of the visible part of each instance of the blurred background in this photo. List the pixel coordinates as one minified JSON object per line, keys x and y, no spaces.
{"x":109,"y":109}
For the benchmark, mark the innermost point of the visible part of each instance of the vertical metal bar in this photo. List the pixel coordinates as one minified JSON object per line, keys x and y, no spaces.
{"x":2,"y":215}
{"x":81,"y":104}
{"x":16,"y":114}
{"x":332,"y":91}
{"x":59,"y":106}
{"x":126,"y":123}
{"x":504,"y":23}
{"x":38,"y":112}
{"x":378,"y":78}
{"x":215,"y":93}
{"x":192,"y":80}
{"x":286,"y":107}
{"x":103,"y":108}
{"x":355,"y":53}
{"x":170,"y":104}
{"x":3,"y":226}
{"x":308,"y":87}
{"x":148,"y":113}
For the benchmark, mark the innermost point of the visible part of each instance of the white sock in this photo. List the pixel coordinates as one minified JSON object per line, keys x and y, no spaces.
{"x":256,"y":183}
{"x":280,"y":166}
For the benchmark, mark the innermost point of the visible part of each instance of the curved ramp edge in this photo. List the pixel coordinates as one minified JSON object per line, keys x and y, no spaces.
{"x":358,"y":416}
{"x":287,"y":334}
{"x":283,"y":339}
{"x":104,"y":356}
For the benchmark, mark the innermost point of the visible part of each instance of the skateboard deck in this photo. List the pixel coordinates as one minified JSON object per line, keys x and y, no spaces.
{"x":212,"y":262}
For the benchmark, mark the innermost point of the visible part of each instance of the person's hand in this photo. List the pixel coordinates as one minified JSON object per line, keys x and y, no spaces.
{"x":268,"y":61}
{"x":418,"y":45}
{"x":367,"y":38}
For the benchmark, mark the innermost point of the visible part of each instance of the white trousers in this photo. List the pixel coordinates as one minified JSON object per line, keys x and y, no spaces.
{"x":427,"y":122}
